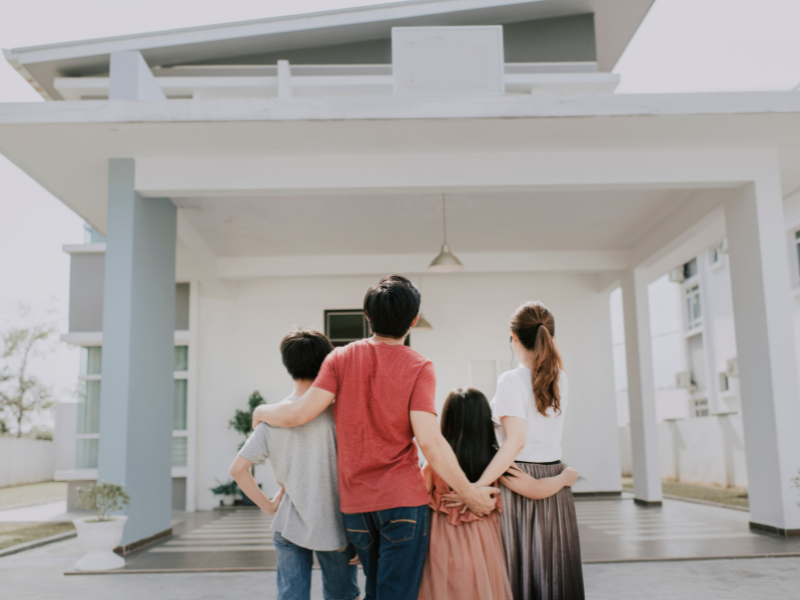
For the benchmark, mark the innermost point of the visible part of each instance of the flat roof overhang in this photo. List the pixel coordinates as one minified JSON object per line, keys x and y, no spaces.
{"x":66,"y":146}
{"x":615,"y":24}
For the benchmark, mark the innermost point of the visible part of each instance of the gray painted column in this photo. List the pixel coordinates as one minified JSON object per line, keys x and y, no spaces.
{"x":641,"y":390}
{"x":767,"y":356}
{"x":138,"y":355}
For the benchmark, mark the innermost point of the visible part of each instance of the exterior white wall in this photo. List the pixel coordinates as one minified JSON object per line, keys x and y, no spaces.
{"x":702,"y":451}
{"x":26,"y":461}
{"x":669,"y":354}
{"x":791,"y":211}
{"x":238,"y":353}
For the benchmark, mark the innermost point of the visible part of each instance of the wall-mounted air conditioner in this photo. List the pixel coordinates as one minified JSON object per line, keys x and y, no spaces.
{"x":676,"y":275}
{"x":732,"y":368}
{"x":683,"y":380}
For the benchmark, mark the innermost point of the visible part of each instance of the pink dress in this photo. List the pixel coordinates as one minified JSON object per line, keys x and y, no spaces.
{"x":465,"y":555}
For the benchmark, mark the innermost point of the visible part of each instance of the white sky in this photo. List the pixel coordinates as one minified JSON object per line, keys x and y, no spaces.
{"x":682,"y":46}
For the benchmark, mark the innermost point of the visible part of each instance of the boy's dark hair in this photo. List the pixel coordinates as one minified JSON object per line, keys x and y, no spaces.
{"x":391,"y":306}
{"x":303,"y":352}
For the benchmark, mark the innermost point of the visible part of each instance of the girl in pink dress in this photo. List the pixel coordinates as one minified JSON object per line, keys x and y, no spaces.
{"x":465,"y":558}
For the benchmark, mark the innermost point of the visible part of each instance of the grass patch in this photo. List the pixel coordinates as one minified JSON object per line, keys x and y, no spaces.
{"x":12,"y":534}
{"x":732,"y":497}
{"x":33,"y":493}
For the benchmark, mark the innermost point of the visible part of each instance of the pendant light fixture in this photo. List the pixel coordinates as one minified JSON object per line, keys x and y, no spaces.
{"x":446,"y":262}
{"x":422,"y":322}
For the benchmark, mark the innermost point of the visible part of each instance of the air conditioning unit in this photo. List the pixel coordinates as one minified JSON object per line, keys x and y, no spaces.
{"x":732,"y":368}
{"x":683,"y":380}
{"x":676,"y":275}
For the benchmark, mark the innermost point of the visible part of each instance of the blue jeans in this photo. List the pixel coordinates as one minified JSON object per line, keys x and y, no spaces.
{"x":339,"y":579}
{"x":392,"y":545}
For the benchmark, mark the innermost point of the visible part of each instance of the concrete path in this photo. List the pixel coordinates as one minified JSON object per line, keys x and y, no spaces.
{"x":38,"y":575}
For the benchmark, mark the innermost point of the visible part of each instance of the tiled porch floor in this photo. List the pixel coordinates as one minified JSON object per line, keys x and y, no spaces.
{"x":612,"y":530}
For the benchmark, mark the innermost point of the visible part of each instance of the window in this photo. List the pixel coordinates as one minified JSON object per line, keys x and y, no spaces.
{"x":797,"y":244}
{"x":694,"y":314}
{"x":724,"y":382}
{"x":179,"y":407}
{"x":88,"y":434}
{"x":700,"y":407}
{"x":690,"y":269}
{"x":345,"y":326}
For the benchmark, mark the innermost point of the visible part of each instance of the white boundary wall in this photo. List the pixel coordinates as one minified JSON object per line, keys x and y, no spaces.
{"x":26,"y":461}
{"x":701,"y":451}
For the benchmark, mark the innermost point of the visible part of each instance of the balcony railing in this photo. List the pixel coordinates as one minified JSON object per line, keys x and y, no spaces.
{"x":285,"y":81}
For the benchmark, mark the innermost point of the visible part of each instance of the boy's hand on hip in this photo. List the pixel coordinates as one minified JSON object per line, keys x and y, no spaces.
{"x":273,"y":504}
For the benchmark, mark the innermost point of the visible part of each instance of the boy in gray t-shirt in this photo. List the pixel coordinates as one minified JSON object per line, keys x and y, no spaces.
{"x":303,"y":460}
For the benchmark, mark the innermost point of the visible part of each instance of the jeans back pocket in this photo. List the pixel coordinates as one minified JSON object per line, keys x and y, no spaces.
{"x":358,"y":531}
{"x":399,"y":524}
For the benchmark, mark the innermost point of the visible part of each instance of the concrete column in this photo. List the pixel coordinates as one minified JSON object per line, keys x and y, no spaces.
{"x":132,"y":79}
{"x":766,"y":348}
{"x":138,"y":354}
{"x":641,"y":391}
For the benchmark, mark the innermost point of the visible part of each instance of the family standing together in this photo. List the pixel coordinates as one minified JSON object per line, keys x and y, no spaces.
{"x":490,"y":515}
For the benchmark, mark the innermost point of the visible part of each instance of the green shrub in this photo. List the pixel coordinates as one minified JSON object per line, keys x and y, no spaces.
{"x":102,"y":498}
{"x":226,"y":489}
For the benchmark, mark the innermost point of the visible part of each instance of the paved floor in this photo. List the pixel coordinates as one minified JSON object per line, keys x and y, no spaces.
{"x":618,"y":530}
{"x":38,"y":575}
{"x":613,"y":530}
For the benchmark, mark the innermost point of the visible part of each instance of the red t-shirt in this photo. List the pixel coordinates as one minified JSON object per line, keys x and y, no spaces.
{"x":376,"y":385}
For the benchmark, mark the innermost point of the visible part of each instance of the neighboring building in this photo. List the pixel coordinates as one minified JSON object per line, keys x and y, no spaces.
{"x":253,"y":176}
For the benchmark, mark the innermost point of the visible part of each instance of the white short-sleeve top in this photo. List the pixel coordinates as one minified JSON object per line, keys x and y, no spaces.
{"x":514,"y":398}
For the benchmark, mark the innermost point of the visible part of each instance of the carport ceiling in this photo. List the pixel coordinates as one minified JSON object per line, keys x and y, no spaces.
{"x":400,"y":224}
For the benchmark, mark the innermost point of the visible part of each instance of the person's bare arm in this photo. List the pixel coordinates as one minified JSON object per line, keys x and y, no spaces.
{"x":442,"y":459}
{"x":240,"y":471}
{"x":428,"y":473}
{"x":298,"y":412}
{"x":516,"y":437}
{"x":537,"y":489}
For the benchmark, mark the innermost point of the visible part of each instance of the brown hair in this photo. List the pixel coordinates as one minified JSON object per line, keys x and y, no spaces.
{"x":535,"y":327}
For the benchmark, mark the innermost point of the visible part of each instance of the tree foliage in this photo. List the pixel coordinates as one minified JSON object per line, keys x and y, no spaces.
{"x":21,"y":392}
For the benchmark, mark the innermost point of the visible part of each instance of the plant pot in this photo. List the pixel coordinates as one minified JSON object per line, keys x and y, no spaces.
{"x":98,"y":539}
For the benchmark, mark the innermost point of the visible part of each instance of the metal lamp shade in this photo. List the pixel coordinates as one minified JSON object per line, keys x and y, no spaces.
{"x":422,"y":324}
{"x":446,"y":262}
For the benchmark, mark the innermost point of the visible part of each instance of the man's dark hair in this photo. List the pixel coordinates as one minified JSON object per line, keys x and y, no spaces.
{"x":391,"y":306}
{"x":303,"y":352}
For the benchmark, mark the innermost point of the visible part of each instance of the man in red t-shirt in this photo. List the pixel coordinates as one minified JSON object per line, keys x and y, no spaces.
{"x":385,"y":397}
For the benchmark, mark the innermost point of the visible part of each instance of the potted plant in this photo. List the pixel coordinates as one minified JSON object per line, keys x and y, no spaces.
{"x":98,"y":535}
{"x":242,"y":422}
{"x":228,"y":491}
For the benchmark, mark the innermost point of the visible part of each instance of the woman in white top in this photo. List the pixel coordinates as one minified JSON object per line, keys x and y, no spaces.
{"x":540,"y":536}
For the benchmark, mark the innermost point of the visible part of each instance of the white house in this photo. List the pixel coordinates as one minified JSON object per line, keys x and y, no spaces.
{"x":253,"y":176}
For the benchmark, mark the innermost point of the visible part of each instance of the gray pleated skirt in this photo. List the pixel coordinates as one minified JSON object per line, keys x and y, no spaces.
{"x":540,"y":537}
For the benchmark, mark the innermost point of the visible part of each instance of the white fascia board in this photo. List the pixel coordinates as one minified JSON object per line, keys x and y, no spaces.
{"x":95,"y":338}
{"x":75,"y":475}
{"x":437,"y":173}
{"x":84,"y":248}
{"x":373,"y":264}
{"x":389,"y":107}
{"x":295,"y":23}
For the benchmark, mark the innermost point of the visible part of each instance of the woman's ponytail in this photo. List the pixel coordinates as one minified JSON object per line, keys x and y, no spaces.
{"x":536,"y":329}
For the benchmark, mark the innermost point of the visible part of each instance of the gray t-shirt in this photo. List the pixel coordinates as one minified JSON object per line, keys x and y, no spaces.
{"x":304,"y":462}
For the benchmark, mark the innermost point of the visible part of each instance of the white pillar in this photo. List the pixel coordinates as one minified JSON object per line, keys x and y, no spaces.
{"x":767,"y":355}
{"x":132,"y":79}
{"x":641,"y":391}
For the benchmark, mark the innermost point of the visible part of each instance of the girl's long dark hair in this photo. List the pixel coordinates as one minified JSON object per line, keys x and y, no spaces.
{"x":468,"y":428}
